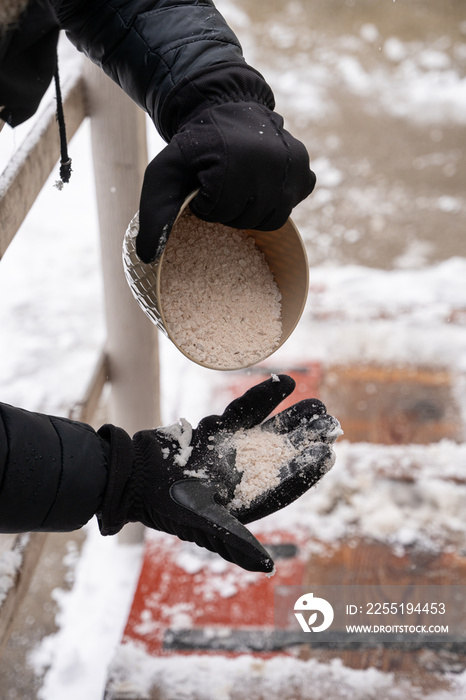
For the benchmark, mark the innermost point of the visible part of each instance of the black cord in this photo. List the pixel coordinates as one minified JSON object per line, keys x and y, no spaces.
{"x":65,"y":160}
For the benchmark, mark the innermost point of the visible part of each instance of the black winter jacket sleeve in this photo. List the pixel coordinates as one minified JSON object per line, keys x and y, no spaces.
{"x":53,"y":472}
{"x":149,"y":46}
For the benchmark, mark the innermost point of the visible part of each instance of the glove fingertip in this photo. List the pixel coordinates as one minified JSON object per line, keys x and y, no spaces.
{"x":287,"y":382}
{"x":168,"y":182}
{"x":257,"y":559}
{"x":150,"y":246}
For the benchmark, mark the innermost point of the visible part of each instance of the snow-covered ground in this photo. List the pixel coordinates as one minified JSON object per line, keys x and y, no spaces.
{"x":51,"y":316}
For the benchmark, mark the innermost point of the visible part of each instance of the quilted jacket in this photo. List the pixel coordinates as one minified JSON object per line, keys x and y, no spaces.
{"x":149,"y":47}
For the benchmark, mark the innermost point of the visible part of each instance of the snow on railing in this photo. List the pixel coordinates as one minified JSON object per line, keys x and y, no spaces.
{"x":34,"y":160}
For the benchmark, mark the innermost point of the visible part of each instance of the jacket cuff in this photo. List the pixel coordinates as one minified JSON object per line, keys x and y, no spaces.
{"x":227,"y":82}
{"x":113,"y":514}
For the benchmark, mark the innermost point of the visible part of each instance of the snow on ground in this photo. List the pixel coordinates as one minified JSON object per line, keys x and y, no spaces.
{"x":289,"y":678}
{"x":91,"y":620}
{"x":51,"y":315}
{"x":361,"y":497}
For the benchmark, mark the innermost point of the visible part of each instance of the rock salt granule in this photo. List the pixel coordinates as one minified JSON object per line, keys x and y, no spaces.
{"x":260,"y":456}
{"x":220,"y":301}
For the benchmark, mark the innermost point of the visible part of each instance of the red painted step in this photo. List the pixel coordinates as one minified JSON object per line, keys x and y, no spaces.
{"x":191,"y":601}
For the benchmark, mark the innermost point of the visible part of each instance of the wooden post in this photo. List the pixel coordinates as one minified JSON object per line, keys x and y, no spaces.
{"x":120,"y":156}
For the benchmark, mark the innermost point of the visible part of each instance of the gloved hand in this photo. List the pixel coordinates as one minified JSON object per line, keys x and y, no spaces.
{"x":183,"y":481}
{"x":226,"y":141}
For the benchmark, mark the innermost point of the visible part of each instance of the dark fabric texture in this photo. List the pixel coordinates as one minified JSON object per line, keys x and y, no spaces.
{"x":149,"y":46}
{"x":27,"y":61}
{"x":146,"y":46}
{"x":53,"y":472}
{"x":214,"y":85}
{"x":148,"y":483}
{"x":249,"y":170}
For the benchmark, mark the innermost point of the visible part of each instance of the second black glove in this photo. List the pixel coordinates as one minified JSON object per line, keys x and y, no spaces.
{"x":250,"y":171}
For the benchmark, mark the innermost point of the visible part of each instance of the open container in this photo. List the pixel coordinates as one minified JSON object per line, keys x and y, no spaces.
{"x":284,"y":252}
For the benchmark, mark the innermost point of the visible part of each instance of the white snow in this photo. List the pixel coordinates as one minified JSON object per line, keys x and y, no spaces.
{"x":92,"y":618}
{"x":51,"y":304}
{"x":361,"y":496}
{"x":181,"y":433}
{"x":10,"y":562}
{"x":286,"y":678}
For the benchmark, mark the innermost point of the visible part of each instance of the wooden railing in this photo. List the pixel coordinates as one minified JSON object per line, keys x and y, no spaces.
{"x":129,"y":360}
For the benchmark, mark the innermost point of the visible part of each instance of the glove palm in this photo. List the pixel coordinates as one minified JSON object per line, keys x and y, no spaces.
{"x":184,"y":482}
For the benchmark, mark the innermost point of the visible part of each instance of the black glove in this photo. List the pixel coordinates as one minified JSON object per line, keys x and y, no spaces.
{"x":183,"y":482}
{"x":227,"y":142}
